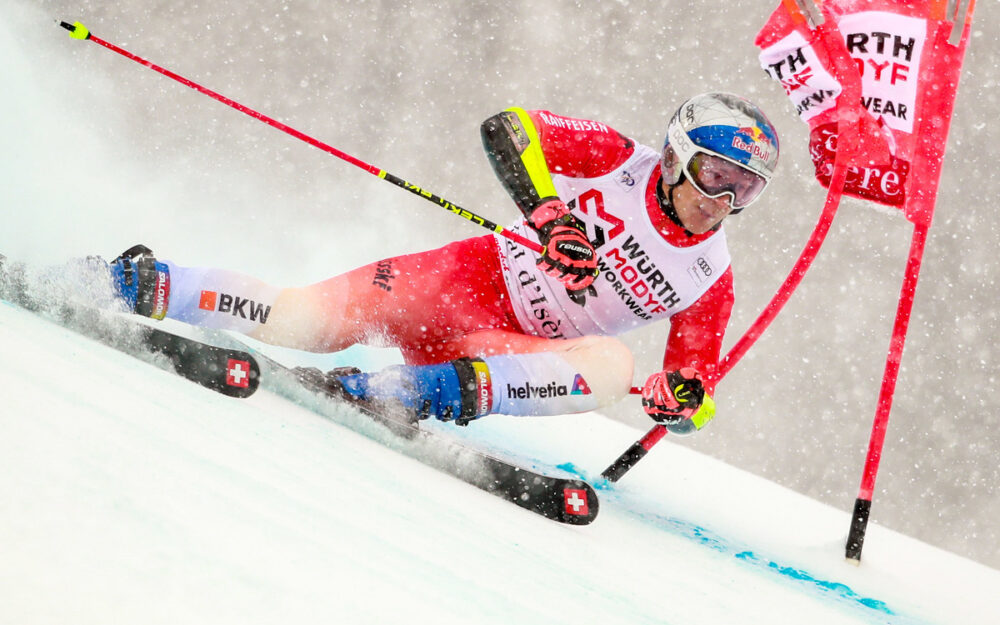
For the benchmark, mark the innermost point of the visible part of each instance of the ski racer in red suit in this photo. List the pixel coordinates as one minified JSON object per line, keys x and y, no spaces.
{"x":631,"y":236}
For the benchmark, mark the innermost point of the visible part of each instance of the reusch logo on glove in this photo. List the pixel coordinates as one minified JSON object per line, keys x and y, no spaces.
{"x":234,"y":305}
{"x":573,"y":247}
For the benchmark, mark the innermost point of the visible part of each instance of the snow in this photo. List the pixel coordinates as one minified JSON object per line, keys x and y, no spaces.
{"x":131,"y":495}
{"x":101,"y":153}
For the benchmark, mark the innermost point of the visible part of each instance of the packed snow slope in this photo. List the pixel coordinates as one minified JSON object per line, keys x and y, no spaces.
{"x":131,"y":495}
{"x":101,"y":153}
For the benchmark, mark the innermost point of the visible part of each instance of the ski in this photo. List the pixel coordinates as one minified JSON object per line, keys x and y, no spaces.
{"x":236,"y":372}
{"x":563,"y":499}
{"x":231,"y":372}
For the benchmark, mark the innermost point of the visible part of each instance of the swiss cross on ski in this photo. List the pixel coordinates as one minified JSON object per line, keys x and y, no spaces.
{"x":576,"y":501}
{"x":238,"y":373}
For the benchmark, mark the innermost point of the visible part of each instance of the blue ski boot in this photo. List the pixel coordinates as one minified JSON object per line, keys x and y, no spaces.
{"x":142,"y":282}
{"x":458,"y":391}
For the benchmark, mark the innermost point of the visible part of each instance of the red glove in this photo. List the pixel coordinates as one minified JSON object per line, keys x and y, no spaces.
{"x":678,"y":398}
{"x":568,"y":254}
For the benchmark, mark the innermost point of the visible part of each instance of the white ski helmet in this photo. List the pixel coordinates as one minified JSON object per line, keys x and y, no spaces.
{"x":714,"y":126}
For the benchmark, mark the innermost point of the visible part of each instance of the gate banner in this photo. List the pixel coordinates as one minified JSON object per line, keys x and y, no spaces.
{"x":908,"y":54}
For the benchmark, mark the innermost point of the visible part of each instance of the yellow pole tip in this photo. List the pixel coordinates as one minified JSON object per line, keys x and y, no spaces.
{"x":79,"y":31}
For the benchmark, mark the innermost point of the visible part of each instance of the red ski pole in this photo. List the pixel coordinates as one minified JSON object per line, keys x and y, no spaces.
{"x":79,"y":31}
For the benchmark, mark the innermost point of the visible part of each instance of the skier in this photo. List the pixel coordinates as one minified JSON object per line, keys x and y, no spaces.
{"x":631,"y":236}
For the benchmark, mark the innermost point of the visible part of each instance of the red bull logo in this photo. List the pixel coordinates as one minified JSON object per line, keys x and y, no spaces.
{"x":752,"y":139}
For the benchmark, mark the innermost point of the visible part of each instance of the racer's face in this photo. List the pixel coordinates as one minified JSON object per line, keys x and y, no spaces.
{"x":699,"y":213}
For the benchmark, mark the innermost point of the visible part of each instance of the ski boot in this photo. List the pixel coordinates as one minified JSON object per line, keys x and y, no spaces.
{"x":458,"y":391}
{"x":142,"y":282}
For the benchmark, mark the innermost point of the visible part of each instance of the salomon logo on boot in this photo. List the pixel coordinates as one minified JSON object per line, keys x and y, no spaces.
{"x":142,"y":282}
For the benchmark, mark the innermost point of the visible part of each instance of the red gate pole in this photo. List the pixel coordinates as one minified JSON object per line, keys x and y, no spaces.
{"x":863,"y":504}
{"x":949,"y":27}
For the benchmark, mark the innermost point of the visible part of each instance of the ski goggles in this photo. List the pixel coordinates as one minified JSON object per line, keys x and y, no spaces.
{"x":714,"y":176}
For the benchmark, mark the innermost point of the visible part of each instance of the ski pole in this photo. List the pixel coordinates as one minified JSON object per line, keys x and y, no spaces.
{"x":79,"y":31}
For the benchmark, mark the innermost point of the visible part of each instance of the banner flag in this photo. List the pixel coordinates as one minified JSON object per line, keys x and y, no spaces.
{"x":908,"y":59}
